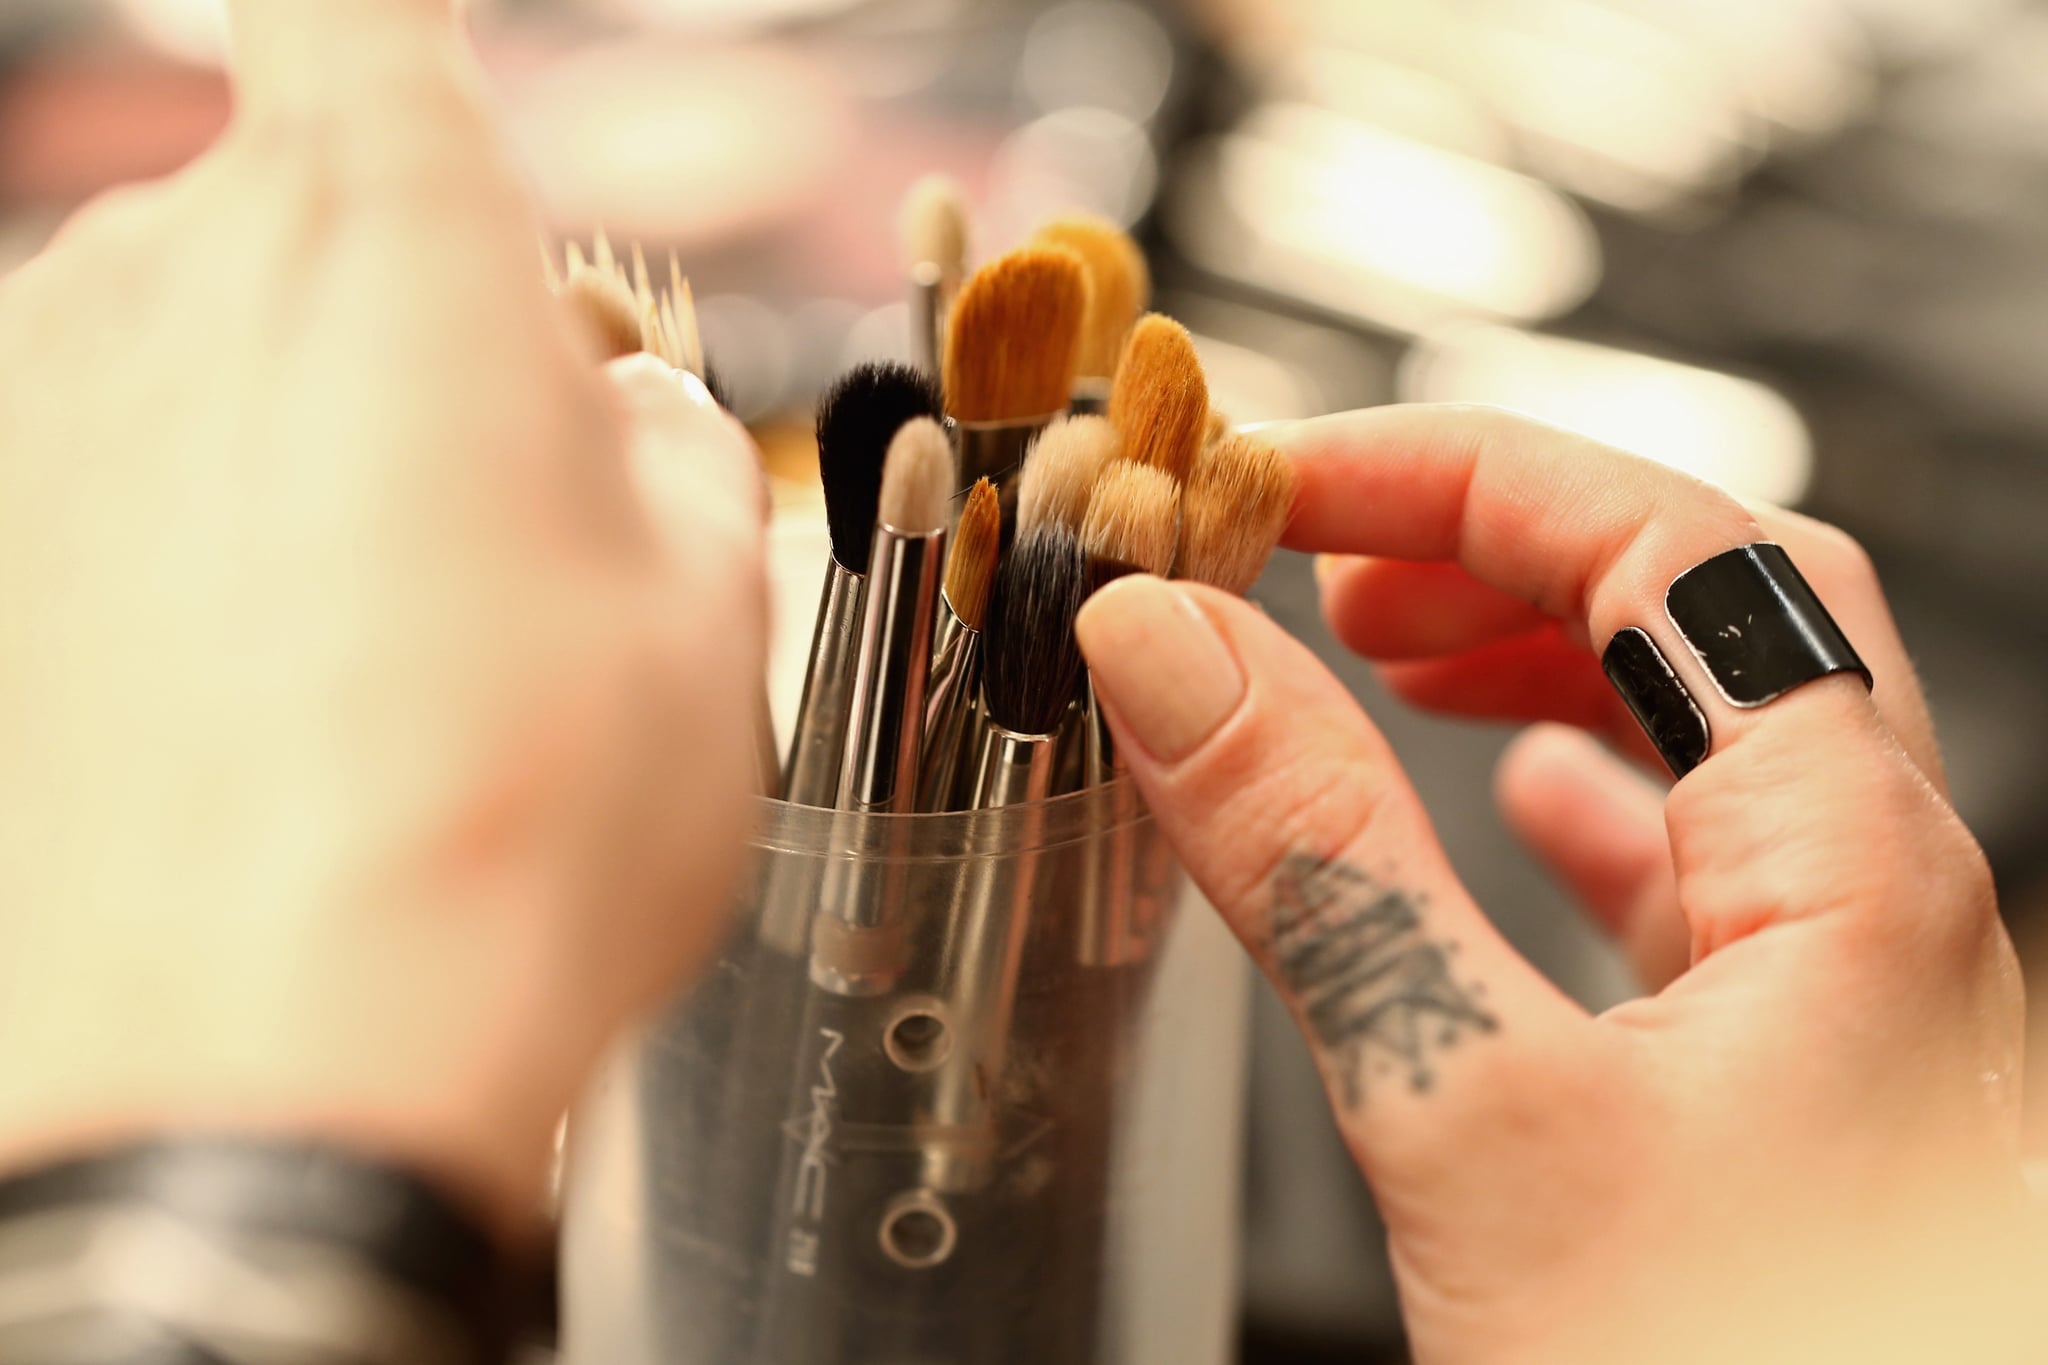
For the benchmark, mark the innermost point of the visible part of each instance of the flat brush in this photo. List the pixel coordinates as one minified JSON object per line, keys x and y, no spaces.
{"x":1119,"y":287}
{"x":934,"y":228}
{"x":956,"y":665}
{"x":1237,"y":503}
{"x":1160,"y":404}
{"x":1061,"y":472}
{"x":858,"y":419}
{"x":1011,"y":345}
{"x":1133,"y":526}
{"x":1032,"y":673}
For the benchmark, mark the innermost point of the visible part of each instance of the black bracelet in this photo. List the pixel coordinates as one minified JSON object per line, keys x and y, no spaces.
{"x":200,"y":1250}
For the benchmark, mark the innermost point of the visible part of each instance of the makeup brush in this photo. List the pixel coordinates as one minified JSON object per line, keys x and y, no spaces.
{"x":858,"y":419}
{"x":956,"y":664}
{"x":1032,"y":672}
{"x":856,"y":941}
{"x":902,"y":602}
{"x":1238,"y":500}
{"x":1011,"y":345}
{"x":1061,"y":472}
{"x":1133,"y":526}
{"x":934,"y":229}
{"x":1160,"y":404}
{"x":1119,"y":287}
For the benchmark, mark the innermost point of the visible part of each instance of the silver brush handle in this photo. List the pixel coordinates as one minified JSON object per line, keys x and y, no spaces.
{"x":1110,"y":935}
{"x":886,"y":711}
{"x":819,"y":738}
{"x":980,"y":967}
{"x":956,"y":679}
{"x":927,"y":317}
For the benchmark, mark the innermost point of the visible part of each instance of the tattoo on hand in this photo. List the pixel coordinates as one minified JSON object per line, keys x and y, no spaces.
{"x":1376,"y":992}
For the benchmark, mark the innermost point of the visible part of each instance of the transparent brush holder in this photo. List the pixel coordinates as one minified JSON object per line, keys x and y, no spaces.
{"x":962,"y":1089}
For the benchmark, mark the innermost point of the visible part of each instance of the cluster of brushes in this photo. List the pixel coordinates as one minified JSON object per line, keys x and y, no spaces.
{"x":1049,"y":437}
{"x":1069,"y":442}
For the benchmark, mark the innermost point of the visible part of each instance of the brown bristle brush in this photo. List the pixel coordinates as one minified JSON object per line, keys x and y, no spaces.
{"x":1160,"y":404}
{"x":956,"y":649}
{"x":1236,"y":506}
{"x":1011,"y":347}
{"x":1119,"y":287}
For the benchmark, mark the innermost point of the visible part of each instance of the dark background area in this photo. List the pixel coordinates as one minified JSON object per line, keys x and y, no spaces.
{"x":1797,"y":246}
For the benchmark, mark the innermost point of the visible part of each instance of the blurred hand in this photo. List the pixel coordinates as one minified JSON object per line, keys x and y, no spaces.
{"x":379,"y":671}
{"x":1793,"y":1137}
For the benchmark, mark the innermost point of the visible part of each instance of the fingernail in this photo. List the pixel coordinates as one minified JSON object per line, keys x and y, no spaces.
{"x":1161,"y":665}
{"x":1325,"y":566}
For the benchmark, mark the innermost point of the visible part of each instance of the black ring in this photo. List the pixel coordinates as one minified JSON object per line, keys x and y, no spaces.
{"x":1752,"y":620}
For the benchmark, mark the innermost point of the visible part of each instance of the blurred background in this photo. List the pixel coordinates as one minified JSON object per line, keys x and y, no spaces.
{"x":1799,"y":247}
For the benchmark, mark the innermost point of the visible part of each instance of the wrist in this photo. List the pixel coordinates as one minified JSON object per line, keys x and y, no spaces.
{"x":258,"y":1250}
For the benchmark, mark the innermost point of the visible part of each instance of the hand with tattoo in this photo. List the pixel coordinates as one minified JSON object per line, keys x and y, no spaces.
{"x":1805,"y":1142}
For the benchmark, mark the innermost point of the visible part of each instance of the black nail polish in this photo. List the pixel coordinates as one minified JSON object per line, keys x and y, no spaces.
{"x":1657,"y":699}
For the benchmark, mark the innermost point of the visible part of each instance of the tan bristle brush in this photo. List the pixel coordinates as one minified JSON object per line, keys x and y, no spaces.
{"x":956,"y":649}
{"x":1236,"y":506}
{"x":1061,"y":472}
{"x":1160,"y":404}
{"x":1133,"y":522}
{"x":1119,"y":287}
{"x":934,"y":228}
{"x":1011,"y":346}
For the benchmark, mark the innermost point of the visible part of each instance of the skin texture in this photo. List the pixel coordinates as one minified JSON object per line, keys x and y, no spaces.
{"x":368,"y":758}
{"x":1807,"y":1136}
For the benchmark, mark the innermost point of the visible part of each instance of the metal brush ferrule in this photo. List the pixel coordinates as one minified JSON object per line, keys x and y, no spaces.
{"x":949,"y":706}
{"x":1091,"y":398}
{"x":893,"y":667}
{"x":1110,"y":933}
{"x":819,"y":738}
{"x":982,"y":955}
{"x":996,"y":450}
{"x":789,"y":897}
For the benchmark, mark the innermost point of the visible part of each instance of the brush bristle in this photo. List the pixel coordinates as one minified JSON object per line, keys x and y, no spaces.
{"x":859,"y":417}
{"x":1061,"y":472}
{"x":971,"y":563}
{"x":918,"y":479}
{"x":1014,"y":335}
{"x":603,"y":306}
{"x":1219,"y":427}
{"x":1160,"y":405}
{"x":1134,"y":519}
{"x":1119,"y":287}
{"x":1236,"y":507}
{"x":934,"y":227}
{"x":1032,"y":665}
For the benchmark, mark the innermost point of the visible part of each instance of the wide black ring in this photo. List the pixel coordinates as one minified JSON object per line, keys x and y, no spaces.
{"x":1752,"y":620}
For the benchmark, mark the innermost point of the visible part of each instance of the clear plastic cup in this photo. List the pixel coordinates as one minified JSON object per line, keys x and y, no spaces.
{"x":1000,"y":1124}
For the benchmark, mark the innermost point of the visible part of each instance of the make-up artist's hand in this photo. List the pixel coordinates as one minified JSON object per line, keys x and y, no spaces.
{"x":375,"y":715}
{"x":1785,"y":1148}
